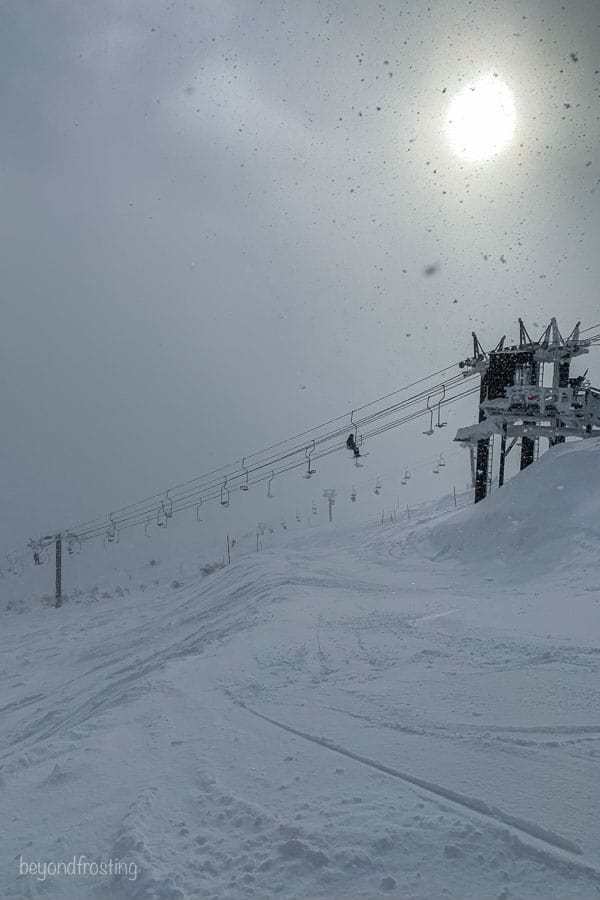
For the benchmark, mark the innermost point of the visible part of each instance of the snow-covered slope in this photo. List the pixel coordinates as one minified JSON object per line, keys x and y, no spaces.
{"x":352,"y":713}
{"x":546,"y":518}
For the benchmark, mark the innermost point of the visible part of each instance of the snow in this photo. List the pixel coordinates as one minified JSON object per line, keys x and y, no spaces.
{"x":405,"y":711}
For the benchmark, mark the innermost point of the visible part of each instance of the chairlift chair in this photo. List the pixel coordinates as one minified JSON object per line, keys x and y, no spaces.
{"x":244,"y":485}
{"x":224,"y":494}
{"x":270,"y":495}
{"x":42,"y":556}
{"x":430,"y":430}
{"x":112,"y":535}
{"x":309,"y":471}
{"x":354,"y":427}
{"x":439,"y":423}
{"x":36,"y":548}
{"x":359,"y":440}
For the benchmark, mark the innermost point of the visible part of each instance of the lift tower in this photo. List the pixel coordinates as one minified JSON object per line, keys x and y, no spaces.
{"x":515,"y":404}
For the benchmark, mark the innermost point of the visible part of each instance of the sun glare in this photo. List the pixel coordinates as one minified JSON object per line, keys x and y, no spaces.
{"x":481,"y":119}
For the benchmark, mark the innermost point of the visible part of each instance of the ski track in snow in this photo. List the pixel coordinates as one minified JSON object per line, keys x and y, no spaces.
{"x":472,"y":804}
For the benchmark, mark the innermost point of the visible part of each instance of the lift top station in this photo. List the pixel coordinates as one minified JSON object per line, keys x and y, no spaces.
{"x":516,"y":405}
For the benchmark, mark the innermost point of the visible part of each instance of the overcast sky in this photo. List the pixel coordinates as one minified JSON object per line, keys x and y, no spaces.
{"x":216,"y":219}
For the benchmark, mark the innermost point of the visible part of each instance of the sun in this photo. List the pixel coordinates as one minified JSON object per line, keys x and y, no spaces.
{"x":481,"y":119}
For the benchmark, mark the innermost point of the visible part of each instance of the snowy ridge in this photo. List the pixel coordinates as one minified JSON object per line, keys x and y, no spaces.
{"x":353,"y":713}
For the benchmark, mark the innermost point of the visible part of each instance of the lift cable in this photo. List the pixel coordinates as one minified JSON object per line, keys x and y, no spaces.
{"x":367,"y":421}
{"x":274,"y":468}
{"x":262,"y":458}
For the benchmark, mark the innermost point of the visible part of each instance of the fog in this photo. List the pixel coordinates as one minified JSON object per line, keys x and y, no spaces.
{"x":225,"y":222}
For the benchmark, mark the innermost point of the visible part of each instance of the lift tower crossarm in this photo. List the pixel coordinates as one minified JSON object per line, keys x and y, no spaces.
{"x":515,"y":403}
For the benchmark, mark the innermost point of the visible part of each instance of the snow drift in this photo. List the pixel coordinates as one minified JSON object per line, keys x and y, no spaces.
{"x":547,"y":518}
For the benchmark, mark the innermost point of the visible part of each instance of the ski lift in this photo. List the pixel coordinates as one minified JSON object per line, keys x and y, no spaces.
{"x":354,"y":428}
{"x":353,"y":495}
{"x":309,"y":472}
{"x":244,"y":485}
{"x":439,"y":423}
{"x":359,"y":440}
{"x":270,"y":495}
{"x":377,"y":488}
{"x":36,"y":547}
{"x":42,"y":555}
{"x":164,"y":514}
{"x":112,"y":535}
{"x":430,"y":430}
{"x":224,"y":494}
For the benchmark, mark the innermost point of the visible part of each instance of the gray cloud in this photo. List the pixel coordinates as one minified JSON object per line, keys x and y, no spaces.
{"x":216,"y":218}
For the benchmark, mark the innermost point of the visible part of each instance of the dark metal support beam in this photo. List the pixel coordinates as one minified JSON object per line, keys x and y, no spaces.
{"x":502,"y":456}
{"x":483,"y":449}
{"x":527,"y":443}
{"x":58,"y":591}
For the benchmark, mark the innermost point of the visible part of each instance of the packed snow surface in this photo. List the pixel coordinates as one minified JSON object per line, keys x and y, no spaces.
{"x":406,"y":711}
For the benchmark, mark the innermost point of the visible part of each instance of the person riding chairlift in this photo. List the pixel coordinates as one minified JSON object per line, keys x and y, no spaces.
{"x":351,"y":445}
